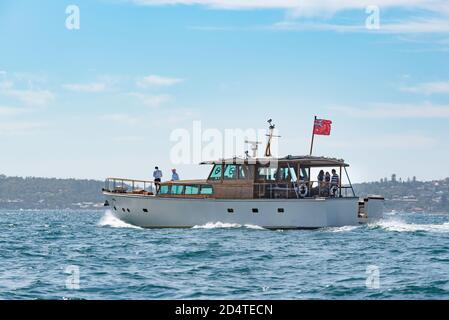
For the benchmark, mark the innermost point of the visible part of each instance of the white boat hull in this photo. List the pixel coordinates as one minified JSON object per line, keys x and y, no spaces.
{"x":159,"y":212}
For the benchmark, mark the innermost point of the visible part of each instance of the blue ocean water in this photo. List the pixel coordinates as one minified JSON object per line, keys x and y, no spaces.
{"x":43,"y":254}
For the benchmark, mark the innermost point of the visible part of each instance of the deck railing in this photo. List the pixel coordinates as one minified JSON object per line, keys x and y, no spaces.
{"x":122,"y":185}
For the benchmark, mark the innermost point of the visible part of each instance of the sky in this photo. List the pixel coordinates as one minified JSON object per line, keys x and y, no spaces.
{"x":105,"y":99}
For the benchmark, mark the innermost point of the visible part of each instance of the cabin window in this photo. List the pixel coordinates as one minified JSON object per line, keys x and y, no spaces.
{"x":164,"y":190}
{"x":207,"y":189}
{"x":192,"y":189}
{"x":177,"y":189}
{"x":230,"y":172}
{"x":216,"y":172}
{"x":243,"y":171}
{"x":266,"y":173}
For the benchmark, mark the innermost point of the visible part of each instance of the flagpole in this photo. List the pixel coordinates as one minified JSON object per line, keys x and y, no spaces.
{"x":313,"y":135}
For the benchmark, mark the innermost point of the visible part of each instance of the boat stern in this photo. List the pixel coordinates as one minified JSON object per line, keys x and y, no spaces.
{"x":371,"y":208}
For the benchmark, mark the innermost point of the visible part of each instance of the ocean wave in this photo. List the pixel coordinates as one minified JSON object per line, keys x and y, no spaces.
{"x":222,"y":225}
{"x":399,"y":225}
{"x":108,"y":220}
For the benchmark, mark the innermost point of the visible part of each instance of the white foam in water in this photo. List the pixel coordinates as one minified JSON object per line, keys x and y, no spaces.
{"x":109,"y":220}
{"x":342,"y":229}
{"x":219,"y":225}
{"x":253,"y":226}
{"x":402,"y":226}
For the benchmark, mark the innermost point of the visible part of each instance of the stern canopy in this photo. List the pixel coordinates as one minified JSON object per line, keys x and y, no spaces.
{"x":306,"y":161}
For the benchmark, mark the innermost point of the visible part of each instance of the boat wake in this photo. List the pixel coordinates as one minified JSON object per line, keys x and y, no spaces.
{"x":222,"y":225}
{"x":399,"y":225}
{"x":108,"y":220}
{"x":341,"y":229}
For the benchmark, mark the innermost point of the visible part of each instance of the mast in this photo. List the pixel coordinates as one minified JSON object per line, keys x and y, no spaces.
{"x":270,"y":136}
{"x":313,"y":136}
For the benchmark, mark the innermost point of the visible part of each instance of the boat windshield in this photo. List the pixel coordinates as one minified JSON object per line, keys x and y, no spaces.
{"x":216,"y":172}
{"x":230,"y":172}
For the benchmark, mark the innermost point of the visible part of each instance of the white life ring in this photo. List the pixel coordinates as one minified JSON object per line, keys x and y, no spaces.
{"x":303,"y":190}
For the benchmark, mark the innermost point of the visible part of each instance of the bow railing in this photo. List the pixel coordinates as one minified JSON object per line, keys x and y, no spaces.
{"x":122,"y":185}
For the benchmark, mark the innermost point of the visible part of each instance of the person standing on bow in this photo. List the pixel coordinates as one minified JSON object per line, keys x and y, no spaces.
{"x":157,"y":175}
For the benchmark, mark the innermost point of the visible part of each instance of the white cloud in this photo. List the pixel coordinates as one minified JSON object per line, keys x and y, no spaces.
{"x":402,"y":141}
{"x":19,"y":128}
{"x":430,"y":16}
{"x":28,"y":96}
{"x":92,"y":87}
{"x":31,"y":97}
{"x":10,"y":111}
{"x":390,"y":110}
{"x":305,"y":7}
{"x":155,"y":80}
{"x":223,"y":4}
{"x":423,"y":25}
{"x":428,"y":25}
{"x":128,"y":139}
{"x":6,"y":85}
{"x":151,"y":100}
{"x":368,"y":142}
{"x":120,"y":118}
{"x":439,"y":87}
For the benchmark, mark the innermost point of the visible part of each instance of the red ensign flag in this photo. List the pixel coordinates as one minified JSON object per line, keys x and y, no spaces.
{"x":322,"y":127}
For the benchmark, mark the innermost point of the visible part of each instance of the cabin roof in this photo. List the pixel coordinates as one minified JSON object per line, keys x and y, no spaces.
{"x":310,"y":161}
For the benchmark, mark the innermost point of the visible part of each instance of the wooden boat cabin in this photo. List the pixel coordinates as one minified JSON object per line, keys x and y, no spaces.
{"x":281,"y":178}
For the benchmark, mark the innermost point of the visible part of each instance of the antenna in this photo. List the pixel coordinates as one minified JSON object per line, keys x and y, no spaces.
{"x":254,"y":147}
{"x":270,"y":136}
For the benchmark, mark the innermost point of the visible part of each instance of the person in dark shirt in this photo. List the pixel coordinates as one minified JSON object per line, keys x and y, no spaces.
{"x":321,"y":184}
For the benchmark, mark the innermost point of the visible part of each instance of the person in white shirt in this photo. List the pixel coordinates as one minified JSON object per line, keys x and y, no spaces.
{"x":157,"y":175}
{"x":175,"y":175}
